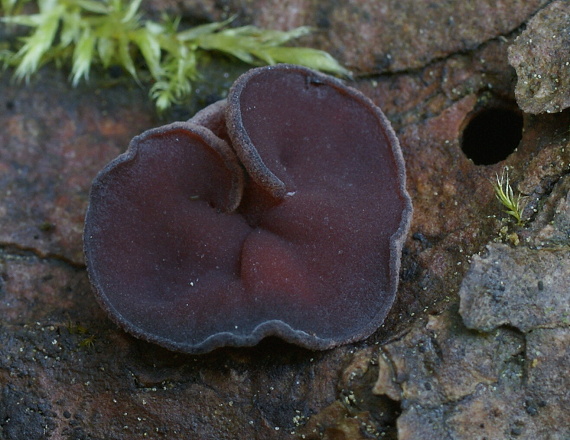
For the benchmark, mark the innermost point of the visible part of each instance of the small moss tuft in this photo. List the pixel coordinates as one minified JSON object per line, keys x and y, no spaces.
{"x":504,"y":192}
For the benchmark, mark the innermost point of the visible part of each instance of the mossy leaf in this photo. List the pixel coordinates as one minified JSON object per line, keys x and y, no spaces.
{"x":37,"y":44}
{"x":125,"y":56}
{"x":8,"y":6}
{"x":313,"y":58}
{"x":204,"y":29}
{"x":149,"y":45}
{"x":106,"y":48}
{"x":93,"y":6}
{"x":82,"y":56}
{"x":131,"y":11}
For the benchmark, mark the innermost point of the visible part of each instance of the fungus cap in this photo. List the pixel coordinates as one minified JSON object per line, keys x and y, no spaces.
{"x":281,"y":211}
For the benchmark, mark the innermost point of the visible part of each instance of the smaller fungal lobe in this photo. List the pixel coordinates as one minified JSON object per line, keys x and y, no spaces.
{"x":280,"y":211}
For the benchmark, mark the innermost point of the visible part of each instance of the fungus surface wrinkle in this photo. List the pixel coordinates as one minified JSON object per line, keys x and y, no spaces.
{"x":280,"y":211}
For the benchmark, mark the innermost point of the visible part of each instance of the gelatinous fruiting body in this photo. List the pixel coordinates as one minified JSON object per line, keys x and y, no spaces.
{"x":280,"y":211}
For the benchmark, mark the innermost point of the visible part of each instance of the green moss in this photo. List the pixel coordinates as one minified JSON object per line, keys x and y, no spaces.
{"x":85,"y":33}
{"x":504,"y":192}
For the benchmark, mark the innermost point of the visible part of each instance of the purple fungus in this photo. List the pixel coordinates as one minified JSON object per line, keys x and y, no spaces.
{"x":280,"y":211}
